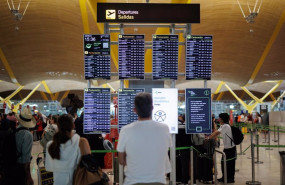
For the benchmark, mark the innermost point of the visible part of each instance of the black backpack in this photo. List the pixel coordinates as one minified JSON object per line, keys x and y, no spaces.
{"x":8,"y":154}
{"x":8,"y":148}
{"x":237,"y":135}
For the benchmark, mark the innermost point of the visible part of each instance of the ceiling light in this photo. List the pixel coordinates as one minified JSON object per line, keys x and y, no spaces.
{"x":15,"y":10}
{"x":252,"y":13}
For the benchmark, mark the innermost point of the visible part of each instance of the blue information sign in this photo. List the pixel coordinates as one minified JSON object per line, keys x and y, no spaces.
{"x":198,"y":111}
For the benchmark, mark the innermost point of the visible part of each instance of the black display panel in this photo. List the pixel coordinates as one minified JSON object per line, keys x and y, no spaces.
{"x":199,"y":57}
{"x":131,"y":57}
{"x":97,"y":63}
{"x":148,"y":13}
{"x":198,"y":111}
{"x":164,"y":57}
{"x":126,"y":106}
{"x":96,"y":110}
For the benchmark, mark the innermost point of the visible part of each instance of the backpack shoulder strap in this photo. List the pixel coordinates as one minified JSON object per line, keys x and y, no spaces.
{"x":230,"y":137}
{"x":21,"y":128}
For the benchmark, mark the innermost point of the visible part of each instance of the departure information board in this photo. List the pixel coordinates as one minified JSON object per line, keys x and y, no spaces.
{"x":164,"y":57}
{"x":96,"y":110}
{"x":198,"y":111}
{"x":97,"y":57}
{"x":131,"y":56}
{"x":199,"y":57}
{"x":126,"y":106}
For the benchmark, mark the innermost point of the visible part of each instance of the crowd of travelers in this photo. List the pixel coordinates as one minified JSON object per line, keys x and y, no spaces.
{"x":143,"y":147}
{"x":63,"y":145}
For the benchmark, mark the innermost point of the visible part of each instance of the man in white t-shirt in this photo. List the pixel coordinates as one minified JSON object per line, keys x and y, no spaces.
{"x":143,"y":146}
{"x":229,"y":147}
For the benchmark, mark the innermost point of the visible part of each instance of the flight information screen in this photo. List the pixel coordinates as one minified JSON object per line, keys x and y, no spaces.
{"x":131,"y":56}
{"x":126,"y":106}
{"x":199,"y":57}
{"x":164,"y":57}
{"x":96,"y":110}
{"x":97,"y":63}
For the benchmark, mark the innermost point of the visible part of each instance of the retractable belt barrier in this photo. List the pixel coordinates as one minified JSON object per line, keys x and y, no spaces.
{"x":177,"y":148}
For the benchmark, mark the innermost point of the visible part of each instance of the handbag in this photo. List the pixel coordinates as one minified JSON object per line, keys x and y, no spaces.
{"x":88,"y":172}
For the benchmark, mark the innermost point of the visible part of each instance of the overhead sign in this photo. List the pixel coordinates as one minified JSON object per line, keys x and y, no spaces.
{"x":165,"y":107}
{"x":148,"y":13}
{"x":198,"y":111}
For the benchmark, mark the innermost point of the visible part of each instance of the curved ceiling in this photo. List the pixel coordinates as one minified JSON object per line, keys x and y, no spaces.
{"x":48,"y":44}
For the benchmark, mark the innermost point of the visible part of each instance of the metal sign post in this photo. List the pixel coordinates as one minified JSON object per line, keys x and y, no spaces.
{"x":121,"y":167}
{"x":173,"y":136}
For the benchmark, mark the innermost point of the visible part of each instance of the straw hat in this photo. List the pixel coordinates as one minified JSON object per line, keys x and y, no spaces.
{"x":26,"y":119}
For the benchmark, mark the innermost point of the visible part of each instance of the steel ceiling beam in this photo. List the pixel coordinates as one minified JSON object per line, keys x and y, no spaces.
{"x":8,"y":68}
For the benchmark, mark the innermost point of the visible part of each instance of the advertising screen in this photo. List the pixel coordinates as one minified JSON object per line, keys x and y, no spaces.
{"x":165,"y":107}
{"x":97,"y":57}
{"x":97,"y":102}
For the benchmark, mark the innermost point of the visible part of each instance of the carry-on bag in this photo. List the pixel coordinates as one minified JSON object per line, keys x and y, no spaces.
{"x":44,"y":177}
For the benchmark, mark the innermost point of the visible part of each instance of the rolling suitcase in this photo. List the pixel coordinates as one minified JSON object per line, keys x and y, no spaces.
{"x":205,"y":169}
{"x":44,"y":177}
{"x":205,"y":162}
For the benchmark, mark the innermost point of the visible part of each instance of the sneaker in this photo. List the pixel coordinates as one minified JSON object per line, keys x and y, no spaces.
{"x":221,"y":179}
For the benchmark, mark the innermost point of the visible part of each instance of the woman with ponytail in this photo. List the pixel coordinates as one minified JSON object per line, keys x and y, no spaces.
{"x":64,"y":151}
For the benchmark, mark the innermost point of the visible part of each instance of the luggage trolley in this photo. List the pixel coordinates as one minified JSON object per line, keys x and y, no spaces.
{"x":44,"y":177}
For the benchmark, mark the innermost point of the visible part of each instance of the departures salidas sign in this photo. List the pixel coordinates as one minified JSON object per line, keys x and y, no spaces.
{"x":148,"y":13}
{"x":121,"y":14}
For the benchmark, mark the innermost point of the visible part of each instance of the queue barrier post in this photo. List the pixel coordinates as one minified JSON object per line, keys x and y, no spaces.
{"x":252,"y":182}
{"x":275,"y":140}
{"x":192,"y":165}
{"x":251,"y":143}
{"x":257,"y":150}
{"x":113,"y":159}
{"x":240,"y":146}
{"x":269,"y":148}
{"x":278,"y":137}
{"x":264,"y":134}
{"x":215,"y":167}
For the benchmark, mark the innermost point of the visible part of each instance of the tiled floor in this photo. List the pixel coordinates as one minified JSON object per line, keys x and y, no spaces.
{"x":267,"y":173}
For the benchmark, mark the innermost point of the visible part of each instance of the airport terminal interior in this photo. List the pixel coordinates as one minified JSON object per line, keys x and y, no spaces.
{"x":212,"y":56}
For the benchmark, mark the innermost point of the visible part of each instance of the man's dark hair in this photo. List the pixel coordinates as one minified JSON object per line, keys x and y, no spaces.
{"x":225,"y":117}
{"x":143,"y":104}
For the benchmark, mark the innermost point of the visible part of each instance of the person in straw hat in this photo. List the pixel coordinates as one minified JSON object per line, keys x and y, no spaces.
{"x":24,"y":143}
